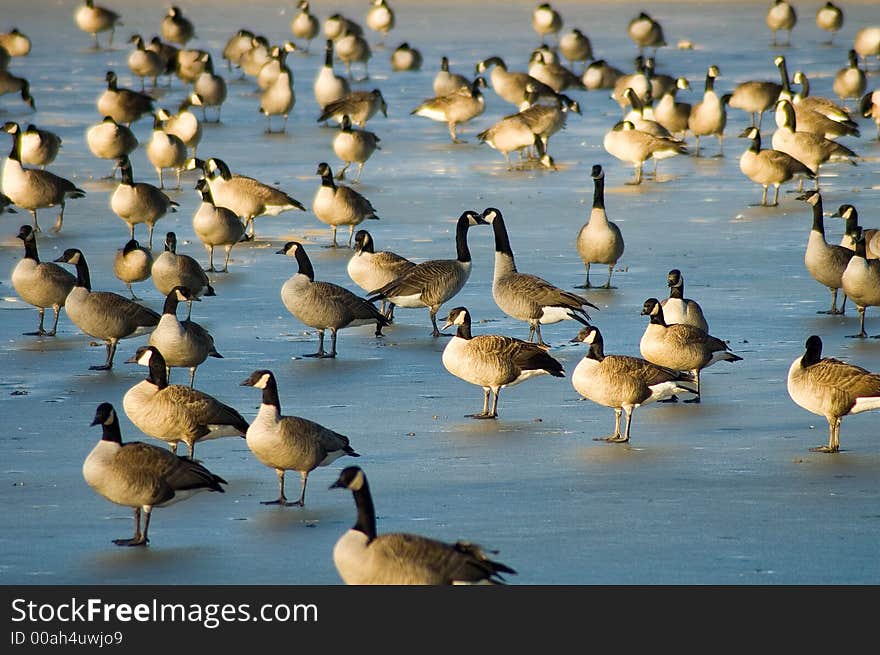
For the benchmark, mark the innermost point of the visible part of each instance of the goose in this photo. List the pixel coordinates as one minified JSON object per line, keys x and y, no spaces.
{"x":167,"y":54}
{"x":380,"y":18}
{"x":272,"y":68}
{"x":237,"y":45}
{"x":184,"y":125}
{"x":757,"y":96}
{"x":124,"y":105}
{"x":324,"y":305}
{"x":336,"y":26}
{"x":860,"y":281}
{"x":176,"y":27}
{"x":10,"y":83}
{"x":139,"y":202}
{"x":338,"y":204}
{"x":527,"y":297}
{"x":829,"y":17}
{"x":111,"y":140}
{"x":622,"y":382}
{"x":41,"y":284}
{"x":172,"y":269}
{"x":680,"y":347}
{"x":278,"y":99}
{"x":869,"y":107}
{"x":824,"y":261}
{"x":601,"y":75}
{"x":545,"y":120}
{"x":671,"y":114}
{"x":39,"y":147}
{"x":132,"y":263}
{"x":511,"y":86}
{"x":446,"y":82}
{"x":805,"y":104}
{"x":513,"y":133}
{"x":640,"y":121}
{"x":829,"y":387}
{"x":328,"y":86}
{"x":165,"y":150}
{"x":139,"y":475}
{"x":867,"y":42}
{"x":371,"y":270}
{"x":176,"y":413}
{"x":406,"y":58}
{"x":781,"y":16}
{"x":546,"y":21}
{"x":94,"y":19}
{"x":851,"y":217}
{"x":216,"y":226}
{"x":635,"y":147}
{"x":209,"y":90}
{"x":244,"y":195}
{"x":709,"y":116}
{"x":645,"y":32}
{"x":184,"y":344}
{"x":769,"y":166}
{"x":575,"y":46}
{"x":190,"y":64}
{"x":304,"y":25}
{"x":33,"y":188}
{"x":16,"y":43}
{"x":493,"y":361}
{"x":144,"y":63}
{"x":677,"y":308}
{"x":545,"y":68}
{"x":431,"y":283}
{"x":352,"y":145}
{"x":353,"y":48}
{"x":851,"y":81}
{"x":103,"y":314}
{"x":599,"y":241}
{"x":362,"y":556}
{"x":253,"y":59}
{"x":460,"y":106}
{"x":360,"y":106}
{"x":290,"y":443}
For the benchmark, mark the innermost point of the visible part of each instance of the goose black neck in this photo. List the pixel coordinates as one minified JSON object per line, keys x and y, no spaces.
{"x":861,"y":247}
{"x":755,"y":145}
{"x":328,"y":55}
{"x":464,"y":330}
{"x":366,"y":513}
{"x":82,"y":273}
{"x":813,"y":353}
{"x":112,"y":84}
{"x":127,"y":177}
{"x":30,"y":248}
{"x":158,"y":374}
{"x":270,"y":394}
{"x":461,"y":245}
{"x":327,"y":180}
{"x":367,"y":246}
{"x":818,"y":220}
{"x":111,"y":431}
{"x":599,"y":192}
{"x":658,"y":319}
{"x":502,"y":240}
{"x":597,"y":351}
{"x":171,"y":303}
{"x":710,"y":82}
{"x":852,"y":222}
{"x":15,"y":152}
{"x":677,"y":291}
{"x":305,"y":264}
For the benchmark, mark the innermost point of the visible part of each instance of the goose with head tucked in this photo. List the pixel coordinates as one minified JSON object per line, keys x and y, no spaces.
{"x":132,"y":263}
{"x":39,"y":147}
{"x":546,"y":21}
{"x":209,"y":90}
{"x":406,"y":58}
{"x":371,"y":270}
{"x":172,"y":269}
{"x":544,"y":66}
{"x":124,"y":105}
{"x":16,"y":43}
{"x":176,"y":27}
{"x":338,"y":204}
{"x":165,"y":150}
{"x":601,"y":75}
{"x":829,"y":17}
{"x":216,"y":226}
{"x":575,"y":46}
{"x":677,"y":308}
{"x":94,"y":19}
{"x":646,"y":32}
{"x":139,"y":202}
{"x":781,"y":16}
{"x":599,"y":241}
{"x":850,"y":82}
{"x":380,"y":18}
{"x":360,"y":106}
{"x":184,"y":125}
{"x":111,"y":140}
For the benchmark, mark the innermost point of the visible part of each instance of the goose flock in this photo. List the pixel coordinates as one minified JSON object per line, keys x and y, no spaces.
{"x":340,"y":90}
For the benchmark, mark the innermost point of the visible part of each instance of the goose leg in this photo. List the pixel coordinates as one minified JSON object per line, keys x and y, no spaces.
{"x":696,"y":145}
{"x":862,"y":334}
{"x":536,"y":326}
{"x":282,"y":499}
{"x":192,"y":381}
{"x":720,"y":145}
{"x":485,"y":412}
{"x":302,"y":495}
{"x":452,"y":133}
{"x":320,"y":352}
{"x":696,"y":398}
{"x":341,"y":174}
{"x":433,"y":313}
{"x":40,"y":331}
{"x":764,"y":197}
{"x":333,"y":230}
{"x":638,"y":179}
{"x":350,"y":234}
{"x":332,"y":352}
{"x":161,"y":179}
{"x":833,"y":437}
{"x":60,"y":220}
{"x":138,"y":539}
{"x":614,"y":438}
{"x":834,"y":309}
{"x":226,"y":259}
{"x":36,"y":225}
{"x":106,"y":366}
{"x":357,"y":178}
{"x":586,"y":284}
{"x":150,"y":237}
{"x":607,"y":284}
{"x":57,"y":310}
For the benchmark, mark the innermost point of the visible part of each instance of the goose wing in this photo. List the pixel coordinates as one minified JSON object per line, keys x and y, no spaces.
{"x":133,"y":313}
{"x":356,"y":200}
{"x":546,"y":294}
{"x":269,"y":195}
{"x":434,"y":272}
{"x":651,"y":374}
{"x":204,"y":408}
{"x":525,"y":355}
{"x":357,"y":307}
{"x":847,"y":378}
{"x":159,"y":472}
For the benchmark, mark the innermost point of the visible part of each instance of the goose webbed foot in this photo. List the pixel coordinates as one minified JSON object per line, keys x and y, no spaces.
{"x":671,"y":399}
{"x":137,"y":540}
{"x":101,"y":367}
{"x":823,"y":449}
{"x":283,"y":502}
{"x":613,"y":438}
{"x":39,"y":333}
{"x":321,"y":355}
{"x":482,"y":415}
{"x":860,"y":335}
{"x":831,"y":312}
{"x":695,"y":399}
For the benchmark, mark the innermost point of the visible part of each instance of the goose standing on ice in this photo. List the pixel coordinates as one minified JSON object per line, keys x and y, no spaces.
{"x":825,"y":261}
{"x":132,"y":263}
{"x":216,"y":226}
{"x":41,"y":284}
{"x":372,"y":270}
{"x":677,"y":308}
{"x":139,"y":202}
{"x":599,"y":241}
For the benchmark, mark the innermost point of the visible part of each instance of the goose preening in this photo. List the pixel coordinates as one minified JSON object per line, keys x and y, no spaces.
{"x":493,"y":361}
{"x":446,"y":82}
{"x":635,"y":147}
{"x":677,"y":308}
{"x":354,"y":146}
{"x":290,"y":443}
{"x":94,"y":19}
{"x":139,"y":202}
{"x":544,"y":66}
{"x":621,"y":382}
{"x":829,"y":17}
{"x":781,"y":16}
{"x":111,"y":140}
{"x":216,"y":226}
{"x":34,"y":188}
{"x":372,"y":270}
{"x":39,"y":147}
{"x":601,"y":75}
{"x":124,"y":105}
{"x":599,"y":241}
{"x":708,"y":117}
{"x":41,"y":284}
{"x":324,"y":305}
{"x":860,"y":281}
{"x":645,"y":32}
{"x":431,"y":283}
{"x":769,"y":166}
{"x":364,"y":557}
{"x":304,"y":24}
{"x":103,"y":314}
{"x":132,"y":263}
{"x":360,"y":106}
{"x":176,"y":413}
{"x":338,"y":204}
{"x":406,"y":58}
{"x":831,"y":388}
{"x":527,"y":297}
{"x":680,"y":347}
{"x":457,"y":107}
{"x":328,"y":86}
{"x":546,"y":21}
{"x":576,"y":46}
{"x":825,"y":261}
{"x":172,"y":269}
{"x":139,"y":475}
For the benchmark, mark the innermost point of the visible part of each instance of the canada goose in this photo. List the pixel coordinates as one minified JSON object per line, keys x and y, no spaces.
{"x":829,"y":17}
{"x":362,"y":556}
{"x":290,"y":443}
{"x":353,"y":48}
{"x":167,"y":54}
{"x":757,"y":96}
{"x":352,"y":145}
{"x":252,"y":60}
{"x":244,"y":195}
{"x":493,"y":361}
{"x":867,"y":43}
{"x":278,"y":99}
{"x":371,"y":270}
{"x":360,"y":106}
{"x":769,"y":166}
{"x":621,"y":382}
{"x":111,"y":140}
{"x":139,"y":475}
{"x":216,"y":226}
{"x":869,"y":107}
{"x":174,"y":412}
{"x":191,"y":63}
{"x":781,"y":16}
{"x":431,"y":283}
{"x":132,"y":263}
{"x":380,"y":18}
{"x":33,"y":188}
{"x":328,"y":86}
{"x":39,"y":147}
{"x":446,"y":82}
{"x":15,"y":43}
{"x":103,"y":314}
{"x":645,"y":32}
{"x":184,"y":344}
{"x":576,"y":46}
{"x":209,"y":90}
{"x":635,"y":147}
{"x":406,"y":58}
{"x":41,"y":284}
{"x":679,"y":346}
{"x":824,"y":261}
{"x":850,"y":82}
{"x":511,"y":86}
{"x":601,"y":75}
{"x":513,"y":133}
{"x":304,"y":25}
{"x":544,"y":69}
{"x":460,"y":106}
{"x":545,"y":120}
{"x":176,"y":27}
{"x":139,"y":202}
{"x":144,"y":63}
{"x":337,"y":204}
{"x":546,"y":21}
{"x":640,"y":121}
{"x":599,"y":241}
{"x":336,"y":26}
{"x":851,"y":230}
{"x":671,"y":114}
{"x":165,"y":150}
{"x":10,"y":83}
{"x":860,"y":281}
{"x":94,"y":19}
{"x":677,"y":308}
{"x":527,"y":297}
{"x":124,"y":105}
{"x":172,"y":269}
{"x":184,"y":125}
{"x":709,"y":116}
{"x":236,"y":46}
{"x":324,"y":305}
{"x":272,"y":68}
{"x":831,"y":388}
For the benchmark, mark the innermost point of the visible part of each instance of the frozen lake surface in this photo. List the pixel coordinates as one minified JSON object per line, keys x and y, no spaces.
{"x":725,"y":492}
